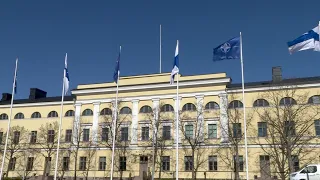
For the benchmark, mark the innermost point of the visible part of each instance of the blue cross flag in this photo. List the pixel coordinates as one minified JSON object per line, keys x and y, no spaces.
{"x":227,"y":50}
{"x":117,"y":68}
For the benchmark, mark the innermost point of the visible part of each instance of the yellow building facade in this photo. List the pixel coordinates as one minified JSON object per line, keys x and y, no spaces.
{"x":211,"y":128}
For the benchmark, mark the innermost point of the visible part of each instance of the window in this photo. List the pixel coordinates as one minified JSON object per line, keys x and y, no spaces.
{"x":16,"y":137}
{"x":3,"y":116}
{"x":69,"y":113}
{"x":189,"y":131}
{"x":166,"y":132}
{"x":165,"y":163}
{"x":36,"y":115}
{"x":68,"y":135}
{"x":262,"y":129}
{"x":123,"y":163}
{"x":12,"y":164}
{"x":19,"y":116}
{"x":212,"y":131}
{"x":53,"y":114}
{"x":86,"y":135}
{"x":30,"y":163}
{"x":1,"y":137}
{"x":213,"y":163}
{"x":66,"y":162}
{"x":237,"y":130}
{"x":104,"y":134}
{"x":143,"y":159}
{"x":145,"y":109}
{"x":260,"y":103}
{"x":235,"y":104}
{"x":167,"y":108}
{"x":87,"y":112}
{"x":295,"y":163}
{"x":33,"y":138}
{"x":106,"y":111}
{"x":83,"y":163}
{"x":47,"y":162}
{"x":211,"y":106}
{"x":289,"y":128}
{"x":125,"y":110}
{"x":314,"y":99}
{"x":189,"y":107}
{"x":50,"y":136}
{"x":264,"y":161}
{"x":316,"y":125}
{"x":188,"y":163}
{"x":287,"y":101}
{"x":310,"y":169}
{"x":145,"y":133}
{"x":102,"y":163}
{"x":240,"y":160}
{"x":124,"y":134}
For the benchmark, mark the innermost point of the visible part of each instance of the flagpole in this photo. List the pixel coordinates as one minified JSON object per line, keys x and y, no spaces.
{"x":177,"y":130}
{"x":9,"y":120}
{"x":60,"y":123}
{"x":114,"y":125}
{"x":244,"y":111}
{"x":160,"y":48}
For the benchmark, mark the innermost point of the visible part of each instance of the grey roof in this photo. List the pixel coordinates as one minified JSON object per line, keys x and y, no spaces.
{"x":47,"y":99}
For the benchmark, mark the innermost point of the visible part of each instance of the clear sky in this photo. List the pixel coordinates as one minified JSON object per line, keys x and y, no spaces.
{"x":41,"y":32}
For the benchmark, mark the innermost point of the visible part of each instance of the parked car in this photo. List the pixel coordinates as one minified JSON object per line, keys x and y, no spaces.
{"x":310,"y":172}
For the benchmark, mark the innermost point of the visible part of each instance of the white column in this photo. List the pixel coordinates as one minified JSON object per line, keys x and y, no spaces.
{"x":200,"y":119}
{"x":95,"y":121}
{"x":76,"y":122}
{"x":134,"y":125}
{"x":176,"y":102}
{"x":224,"y":121}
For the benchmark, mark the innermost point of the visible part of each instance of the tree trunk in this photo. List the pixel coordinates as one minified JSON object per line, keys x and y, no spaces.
{"x":236,"y":159}
{"x":194,"y":175}
{"x":11,"y":155}
{"x":75,"y":164}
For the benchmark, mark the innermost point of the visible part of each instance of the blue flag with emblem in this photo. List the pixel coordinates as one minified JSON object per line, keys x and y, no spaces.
{"x":227,"y":50}
{"x":116,"y":72}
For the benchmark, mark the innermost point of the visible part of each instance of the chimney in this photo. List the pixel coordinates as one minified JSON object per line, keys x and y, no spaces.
{"x":6,"y":97}
{"x":36,"y":93}
{"x":276,"y":74}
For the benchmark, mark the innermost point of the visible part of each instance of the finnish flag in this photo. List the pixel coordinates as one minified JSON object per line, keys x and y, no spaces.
{"x":309,"y":40}
{"x":66,"y":79}
{"x":175,"y":69}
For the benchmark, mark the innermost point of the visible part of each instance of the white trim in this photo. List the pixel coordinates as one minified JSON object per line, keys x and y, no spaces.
{"x":248,"y":89}
{"x":37,"y":104}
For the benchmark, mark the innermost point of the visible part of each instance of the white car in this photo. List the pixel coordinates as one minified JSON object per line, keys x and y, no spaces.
{"x":310,"y":172}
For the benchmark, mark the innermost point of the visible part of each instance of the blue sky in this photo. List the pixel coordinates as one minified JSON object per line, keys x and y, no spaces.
{"x":41,"y":32}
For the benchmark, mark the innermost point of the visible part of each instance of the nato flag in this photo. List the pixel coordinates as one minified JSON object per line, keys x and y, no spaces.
{"x":227,"y":50}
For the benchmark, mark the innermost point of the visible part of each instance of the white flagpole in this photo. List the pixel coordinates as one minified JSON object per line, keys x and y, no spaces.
{"x":114,"y":125}
{"x":60,"y":123}
{"x":160,"y":48}
{"x":177,"y":130}
{"x":244,"y":111}
{"x":9,"y":120}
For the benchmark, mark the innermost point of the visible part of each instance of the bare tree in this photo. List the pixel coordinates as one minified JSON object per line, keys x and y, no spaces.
{"x":90,"y":150}
{"x":64,"y":164}
{"x":26,"y":169}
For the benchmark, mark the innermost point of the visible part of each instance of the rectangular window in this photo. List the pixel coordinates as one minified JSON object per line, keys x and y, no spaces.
{"x":1,"y":137}
{"x":262,"y":129}
{"x":212,"y":131}
{"x":104,"y":134}
{"x":316,"y":125}
{"x":123,"y":163}
{"x":16,"y":137}
{"x":166,"y":132}
{"x":12,"y":164}
{"x":83,"y":163}
{"x":124,"y":134}
{"x":47,"y":163}
{"x":240,"y":163}
{"x":102,"y":163}
{"x":33,"y":138}
{"x":86,"y":135}
{"x":145,"y":133}
{"x":265,"y":166}
{"x":50,"y":136}
{"x":188,"y":163}
{"x":165,"y":163}
{"x":66,"y":162}
{"x":213,"y":163}
{"x":289,"y":128}
{"x":189,"y":131}
{"x":68,"y":137}
{"x":295,"y":163}
{"x":30,"y":164}
{"x":237,"y":130}
{"x":143,"y":159}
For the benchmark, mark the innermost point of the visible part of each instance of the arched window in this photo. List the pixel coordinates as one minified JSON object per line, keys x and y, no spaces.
{"x":145,"y":109}
{"x":211,"y":105}
{"x":87,"y":112}
{"x":36,"y":115}
{"x":19,"y":116}
{"x":167,"y":108}
{"x":69,"y":113}
{"x":53,"y":114}
{"x":3,"y":116}
{"x":235,"y":104}
{"x":314,"y":99}
{"x":260,"y":103}
{"x":106,"y":111}
{"x":189,"y":107}
{"x":287,"y":101}
{"x":125,"y":110}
